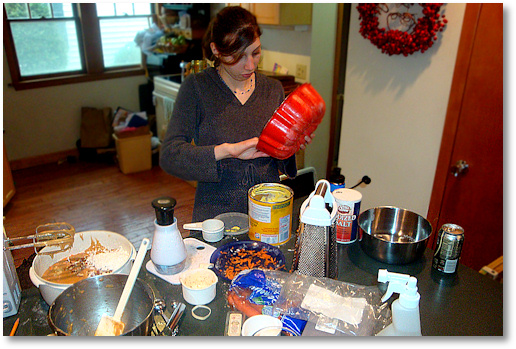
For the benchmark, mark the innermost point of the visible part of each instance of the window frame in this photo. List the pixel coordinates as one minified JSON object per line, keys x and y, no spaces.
{"x":91,"y":50}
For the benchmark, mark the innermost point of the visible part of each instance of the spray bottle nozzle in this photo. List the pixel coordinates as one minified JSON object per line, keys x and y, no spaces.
{"x":403,"y":284}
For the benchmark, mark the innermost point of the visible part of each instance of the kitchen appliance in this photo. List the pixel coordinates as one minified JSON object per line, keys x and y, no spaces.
{"x":95,"y":296}
{"x":166,"y":88}
{"x":168,"y":253}
{"x":393,"y":235}
{"x":316,"y":246}
{"x":11,"y":283}
{"x":55,"y":237}
{"x":198,"y":254}
{"x":50,"y":290}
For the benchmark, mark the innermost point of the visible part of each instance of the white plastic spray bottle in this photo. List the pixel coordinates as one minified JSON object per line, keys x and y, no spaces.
{"x":405,"y":309}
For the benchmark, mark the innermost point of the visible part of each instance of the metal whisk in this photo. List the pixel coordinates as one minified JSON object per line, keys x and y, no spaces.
{"x":59,"y":235}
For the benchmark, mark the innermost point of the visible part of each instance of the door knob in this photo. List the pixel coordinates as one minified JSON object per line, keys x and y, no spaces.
{"x":461,"y":167}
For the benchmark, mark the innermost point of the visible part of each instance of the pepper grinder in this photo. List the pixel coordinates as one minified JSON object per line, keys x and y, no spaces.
{"x":168,"y":253}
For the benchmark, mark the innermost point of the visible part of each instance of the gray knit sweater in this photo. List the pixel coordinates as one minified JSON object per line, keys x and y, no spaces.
{"x":208,"y":113}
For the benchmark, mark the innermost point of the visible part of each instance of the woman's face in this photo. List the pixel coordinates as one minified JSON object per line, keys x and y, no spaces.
{"x":245,"y":67}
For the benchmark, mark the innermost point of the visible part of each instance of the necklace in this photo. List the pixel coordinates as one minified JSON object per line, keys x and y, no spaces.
{"x":235,"y":91}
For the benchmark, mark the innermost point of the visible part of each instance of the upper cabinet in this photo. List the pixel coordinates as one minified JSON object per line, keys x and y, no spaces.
{"x":280,"y":14}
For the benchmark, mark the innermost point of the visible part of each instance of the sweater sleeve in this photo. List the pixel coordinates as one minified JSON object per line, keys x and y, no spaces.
{"x":178,"y":155}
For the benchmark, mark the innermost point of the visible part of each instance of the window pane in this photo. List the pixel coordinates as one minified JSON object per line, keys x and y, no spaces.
{"x":105,"y":9}
{"x":124,"y":9}
{"x":62,"y":10}
{"x":17,"y":11}
{"x":118,"y":46}
{"x":40,"y":10}
{"x":47,"y":47}
{"x":142,"y":8}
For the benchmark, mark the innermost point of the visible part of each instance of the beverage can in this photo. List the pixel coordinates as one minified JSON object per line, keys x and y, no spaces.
{"x":449,"y":246}
{"x":348,"y":208}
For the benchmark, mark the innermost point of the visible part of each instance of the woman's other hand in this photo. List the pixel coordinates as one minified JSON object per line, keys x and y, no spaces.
{"x":308,"y":140}
{"x":245,"y":150}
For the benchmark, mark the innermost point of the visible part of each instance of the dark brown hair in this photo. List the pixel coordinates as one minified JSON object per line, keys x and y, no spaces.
{"x":232,"y":30}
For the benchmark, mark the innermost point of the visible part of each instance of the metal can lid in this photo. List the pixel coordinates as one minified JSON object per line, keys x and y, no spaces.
{"x":271,"y":193}
{"x":451,"y":228}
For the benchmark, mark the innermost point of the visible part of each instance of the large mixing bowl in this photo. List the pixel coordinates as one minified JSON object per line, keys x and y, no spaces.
{"x":50,"y":290}
{"x":393,"y":235}
{"x":298,"y":116}
{"x":78,"y":310}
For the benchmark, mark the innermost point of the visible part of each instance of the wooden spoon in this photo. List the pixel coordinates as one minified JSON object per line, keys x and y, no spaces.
{"x":113,"y":326}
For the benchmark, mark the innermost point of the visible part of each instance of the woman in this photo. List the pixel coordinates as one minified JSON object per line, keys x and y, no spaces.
{"x":223,"y":110}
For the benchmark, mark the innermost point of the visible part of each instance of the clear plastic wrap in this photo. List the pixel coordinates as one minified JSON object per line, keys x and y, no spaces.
{"x":311,"y":306}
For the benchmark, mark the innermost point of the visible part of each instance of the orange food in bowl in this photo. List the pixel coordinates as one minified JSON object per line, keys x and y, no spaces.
{"x":298,"y":116}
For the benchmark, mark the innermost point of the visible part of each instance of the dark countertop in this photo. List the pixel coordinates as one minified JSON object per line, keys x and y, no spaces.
{"x":464,"y":304}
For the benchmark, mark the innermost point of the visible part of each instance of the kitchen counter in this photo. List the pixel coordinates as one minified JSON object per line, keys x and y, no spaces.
{"x":464,"y":304}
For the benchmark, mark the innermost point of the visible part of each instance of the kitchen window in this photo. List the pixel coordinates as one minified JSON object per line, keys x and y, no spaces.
{"x":49,"y":44}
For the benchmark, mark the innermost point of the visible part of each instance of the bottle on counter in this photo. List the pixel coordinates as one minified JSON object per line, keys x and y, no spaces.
{"x":168,"y":253}
{"x":406,"y":319}
{"x":337,"y":180}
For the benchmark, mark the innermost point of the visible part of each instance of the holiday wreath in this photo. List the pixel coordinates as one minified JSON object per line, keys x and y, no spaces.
{"x":419,"y":36}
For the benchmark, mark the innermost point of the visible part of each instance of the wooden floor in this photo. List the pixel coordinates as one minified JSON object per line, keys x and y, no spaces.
{"x":92,"y":196}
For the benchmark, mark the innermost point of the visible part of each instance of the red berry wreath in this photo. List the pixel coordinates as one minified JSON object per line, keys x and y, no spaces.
{"x":420,"y":36}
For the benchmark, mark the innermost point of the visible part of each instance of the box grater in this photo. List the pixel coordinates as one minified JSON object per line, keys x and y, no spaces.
{"x":316,"y":245}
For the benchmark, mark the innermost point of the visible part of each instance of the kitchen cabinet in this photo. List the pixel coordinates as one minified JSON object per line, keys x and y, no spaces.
{"x":280,"y":14}
{"x":9,"y":188}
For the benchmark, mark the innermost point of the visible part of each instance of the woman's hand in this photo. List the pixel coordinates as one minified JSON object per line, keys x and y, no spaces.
{"x":308,"y":140}
{"x":245,"y":150}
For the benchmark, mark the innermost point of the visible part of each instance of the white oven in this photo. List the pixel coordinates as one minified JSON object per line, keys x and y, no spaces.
{"x":164,"y":96}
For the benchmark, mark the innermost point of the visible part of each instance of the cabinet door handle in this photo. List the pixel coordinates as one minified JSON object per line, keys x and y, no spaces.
{"x":461,"y":167}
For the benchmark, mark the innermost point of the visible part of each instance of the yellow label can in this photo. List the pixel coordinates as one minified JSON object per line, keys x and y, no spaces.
{"x":270,"y":213}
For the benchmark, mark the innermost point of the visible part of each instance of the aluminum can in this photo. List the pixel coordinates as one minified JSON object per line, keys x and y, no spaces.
{"x":270,"y":213}
{"x":449,"y":246}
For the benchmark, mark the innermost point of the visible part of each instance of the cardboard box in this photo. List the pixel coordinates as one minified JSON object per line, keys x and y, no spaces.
{"x":134,"y":153}
{"x":132,"y":131}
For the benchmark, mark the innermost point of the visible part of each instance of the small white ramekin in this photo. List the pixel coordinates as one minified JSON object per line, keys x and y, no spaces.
{"x":199,"y":296}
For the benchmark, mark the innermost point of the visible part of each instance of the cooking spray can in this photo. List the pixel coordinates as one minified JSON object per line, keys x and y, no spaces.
{"x":348,"y":209}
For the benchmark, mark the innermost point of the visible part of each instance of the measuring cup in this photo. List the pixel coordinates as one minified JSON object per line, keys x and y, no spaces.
{"x":212,"y":229}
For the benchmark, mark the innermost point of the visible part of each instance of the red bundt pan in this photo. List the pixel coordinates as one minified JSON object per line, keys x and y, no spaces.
{"x":299,"y":115}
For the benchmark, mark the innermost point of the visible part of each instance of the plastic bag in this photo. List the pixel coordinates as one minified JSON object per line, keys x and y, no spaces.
{"x":311,"y":306}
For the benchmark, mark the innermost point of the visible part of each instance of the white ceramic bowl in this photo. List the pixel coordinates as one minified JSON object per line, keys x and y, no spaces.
{"x":199,"y":286}
{"x":51,"y":290}
{"x":262,"y":325}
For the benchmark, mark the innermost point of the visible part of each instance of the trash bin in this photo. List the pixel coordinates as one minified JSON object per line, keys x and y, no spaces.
{"x":134,"y":153}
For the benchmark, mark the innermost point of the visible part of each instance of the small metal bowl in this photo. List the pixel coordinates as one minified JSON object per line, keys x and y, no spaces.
{"x":393,"y":235}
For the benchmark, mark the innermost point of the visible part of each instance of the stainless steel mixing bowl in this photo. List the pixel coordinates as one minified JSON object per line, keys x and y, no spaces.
{"x":78,"y":310}
{"x":393,"y":235}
